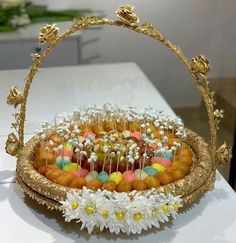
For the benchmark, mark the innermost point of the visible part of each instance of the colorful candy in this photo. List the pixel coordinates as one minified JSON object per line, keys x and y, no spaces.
{"x":140,"y":174}
{"x":103,"y":176}
{"x":70,"y":167}
{"x":124,"y":186}
{"x":129,"y":175}
{"x":80,"y":172}
{"x":167,"y":155}
{"x":116,"y":177}
{"x":91,"y":175}
{"x":158,"y":167}
{"x":150,"y":170}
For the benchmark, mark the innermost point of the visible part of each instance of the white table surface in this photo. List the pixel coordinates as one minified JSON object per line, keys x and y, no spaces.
{"x":212,"y":219}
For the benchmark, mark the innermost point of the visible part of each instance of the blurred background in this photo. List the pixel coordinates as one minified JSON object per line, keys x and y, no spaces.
{"x":197,"y":27}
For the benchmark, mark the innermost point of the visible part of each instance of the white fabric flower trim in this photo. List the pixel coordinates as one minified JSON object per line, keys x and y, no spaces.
{"x":120,"y":212}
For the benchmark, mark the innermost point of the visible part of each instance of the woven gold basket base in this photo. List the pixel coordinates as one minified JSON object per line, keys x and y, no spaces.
{"x":200,"y":179}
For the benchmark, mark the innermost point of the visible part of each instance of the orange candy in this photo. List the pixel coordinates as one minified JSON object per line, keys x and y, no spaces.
{"x":64,"y":179}
{"x":186,"y":159}
{"x":124,"y":186}
{"x":94,"y":184}
{"x":177,"y":174}
{"x":165,"y":178}
{"x":43,"y":169}
{"x":78,"y":183}
{"x":52,"y":174}
{"x":182,"y":166}
{"x":139,"y":185}
{"x":109,"y":186}
{"x":152,"y":182}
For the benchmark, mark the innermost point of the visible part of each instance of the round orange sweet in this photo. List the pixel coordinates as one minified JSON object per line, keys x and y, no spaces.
{"x":177,"y":174}
{"x":124,"y":186}
{"x":52,"y":174}
{"x":186,"y":152}
{"x":94,"y":184}
{"x":109,"y":186}
{"x":152,"y":182}
{"x":43,"y":169}
{"x":64,"y":179}
{"x":139,"y":185}
{"x":135,"y":126}
{"x":78,"y":183}
{"x":186,"y":159}
{"x":108,"y":126}
{"x":182,"y":166}
{"x":165,"y":178}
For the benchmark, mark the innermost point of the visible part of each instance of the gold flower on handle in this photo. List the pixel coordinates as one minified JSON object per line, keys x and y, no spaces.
{"x":219,"y":113}
{"x":200,"y":65}
{"x":126,"y":15}
{"x":224,"y":154}
{"x":12,"y":144}
{"x":14,"y":97}
{"x":48,"y":33}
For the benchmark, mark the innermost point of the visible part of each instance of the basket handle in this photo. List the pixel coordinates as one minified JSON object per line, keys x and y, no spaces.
{"x":198,"y":67}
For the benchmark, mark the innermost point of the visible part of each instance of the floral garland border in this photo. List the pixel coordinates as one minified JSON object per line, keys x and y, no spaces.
{"x":119,"y":212}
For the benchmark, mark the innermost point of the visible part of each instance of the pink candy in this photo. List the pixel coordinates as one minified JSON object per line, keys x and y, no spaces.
{"x":67,"y":153}
{"x":153,"y":145}
{"x":129,"y":176}
{"x":160,"y":160}
{"x":137,"y":135}
{"x":80,"y":173}
{"x":86,"y":134}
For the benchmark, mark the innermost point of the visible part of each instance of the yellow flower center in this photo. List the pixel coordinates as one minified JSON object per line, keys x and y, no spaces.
{"x":137,"y":216}
{"x":74,"y":205}
{"x":90,"y":209}
{"x":104,"y":213}
{"x":165,"y":208}
{"x":176,"y":207}
{"x":120,"y":215}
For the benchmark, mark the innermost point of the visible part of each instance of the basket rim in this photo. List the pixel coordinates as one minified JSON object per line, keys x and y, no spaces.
{"x":200,"y":173}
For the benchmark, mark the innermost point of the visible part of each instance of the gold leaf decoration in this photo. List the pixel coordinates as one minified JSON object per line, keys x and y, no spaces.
{"x":224,"y":154}
{"x":200,"y":65}
{"x":48,"y":33}
{"x":14,"y":98}
{"x":12,"y":144}
{"x":126,"y":15}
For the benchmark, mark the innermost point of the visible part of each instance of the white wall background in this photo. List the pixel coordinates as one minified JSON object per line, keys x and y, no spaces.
{"x":197,"y":26}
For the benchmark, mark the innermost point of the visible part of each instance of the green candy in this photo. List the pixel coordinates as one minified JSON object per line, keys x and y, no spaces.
{"x":103,"y":176}
{"x":150,"y":170}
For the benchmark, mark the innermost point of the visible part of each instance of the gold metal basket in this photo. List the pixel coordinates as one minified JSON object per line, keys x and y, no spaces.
{"x":202,"y":175}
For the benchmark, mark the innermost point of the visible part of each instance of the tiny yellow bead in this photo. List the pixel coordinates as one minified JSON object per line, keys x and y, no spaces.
{"x":176,"y":207}
{"x":90,"y":209}
{"x":120,"y":215}
{"x":74,"y":205}
{"x":165,"y":208}
{"x":137,"y":216}
{"x":104,"y":213}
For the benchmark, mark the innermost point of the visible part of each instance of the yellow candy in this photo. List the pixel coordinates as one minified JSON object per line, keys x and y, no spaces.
{"x":158,"y":167}
{"x":68,"y":146}
{"x":70,"y":167}
{"x":116,"y":177}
